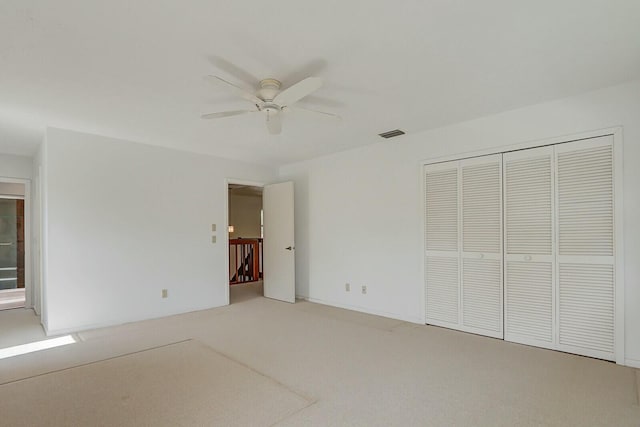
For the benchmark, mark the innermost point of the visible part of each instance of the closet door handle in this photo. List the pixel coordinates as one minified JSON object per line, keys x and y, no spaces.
{"x":6,"y":243}
{"x":527,"y":257}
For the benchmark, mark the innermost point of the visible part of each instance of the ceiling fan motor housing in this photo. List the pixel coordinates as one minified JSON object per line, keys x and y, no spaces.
{"x":269,"y":88}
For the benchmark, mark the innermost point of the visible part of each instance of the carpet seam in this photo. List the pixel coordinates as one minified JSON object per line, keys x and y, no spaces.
{"x":286,"y":417}
{"x":309,"y":399}
{"x":95,"y":361}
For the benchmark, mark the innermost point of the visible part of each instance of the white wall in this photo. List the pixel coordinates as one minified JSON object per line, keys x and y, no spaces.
{"x":38,"y":227}
{"x":244,"y":215}
{"x":359,"y":213}
{"x":125,"y":220}
{"x":15,"y":166}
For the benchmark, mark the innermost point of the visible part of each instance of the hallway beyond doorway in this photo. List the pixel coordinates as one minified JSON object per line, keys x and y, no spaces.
{"x":245,"y":291}
{"x":12,"y":298}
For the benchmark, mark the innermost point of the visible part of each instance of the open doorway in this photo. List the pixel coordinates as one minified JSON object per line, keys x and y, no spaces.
{"x":12,"y":245}
{"x":245,"y":228}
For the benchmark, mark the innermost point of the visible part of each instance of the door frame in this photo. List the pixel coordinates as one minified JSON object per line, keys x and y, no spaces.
{"x":225,"y":239}
{"x":31,"y":296}
{"x":618,"y":218}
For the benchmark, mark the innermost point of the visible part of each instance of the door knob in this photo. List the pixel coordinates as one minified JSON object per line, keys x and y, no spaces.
{"x":289,"y":248}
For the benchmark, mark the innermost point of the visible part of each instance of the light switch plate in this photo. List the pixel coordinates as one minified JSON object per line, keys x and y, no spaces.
{"x":213,"y":239}
{"x":213,"y":227}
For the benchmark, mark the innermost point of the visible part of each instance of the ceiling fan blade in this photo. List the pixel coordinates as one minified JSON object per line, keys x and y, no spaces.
{"x":237,"y":89}
{"x":274,"y":123}
{"x":225,"y":114}
{"x":232,"y":69}
{"x":298,"y":91}
{"x":316,"y":100}
{"x":308,"y":110}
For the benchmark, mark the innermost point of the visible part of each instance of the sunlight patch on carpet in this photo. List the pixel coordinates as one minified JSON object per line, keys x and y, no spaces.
{"x":31,"y":347}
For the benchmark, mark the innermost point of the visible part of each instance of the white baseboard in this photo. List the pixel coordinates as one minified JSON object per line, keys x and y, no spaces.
{"x":633,"y":363}
{"x":381,"y":313}
{"x":110,"y":323}
{"x":69,"y":331}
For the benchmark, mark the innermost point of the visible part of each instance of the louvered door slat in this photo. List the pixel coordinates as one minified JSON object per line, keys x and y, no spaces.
{"x":529,"y":305}
{"x":586,"y":306}
{"x":585,"y":206}
{"x":585,"y":201}
{"x":528,"y":203}
{"x":442,"y":289}
{"x":441,"y":188}
{"x":529,"y":255}
{"x":482,"y":303}
{"x":481,"y":212}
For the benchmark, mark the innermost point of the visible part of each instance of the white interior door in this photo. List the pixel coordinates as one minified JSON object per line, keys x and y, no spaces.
{"x":529,"y":247}
{"x":586,"y":246}
{"x":442,"y":243}
{"x":278,"y":244}
{"x":481,"y":255}
{"x":463,"y":240}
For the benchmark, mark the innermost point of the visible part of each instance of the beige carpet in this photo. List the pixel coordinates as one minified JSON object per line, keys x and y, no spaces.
{"x":19,"y":326}
{"x":12,"y":298}
{"x":360,"y":370}
{"x":182,"y":384}
{"x":245,"y":291}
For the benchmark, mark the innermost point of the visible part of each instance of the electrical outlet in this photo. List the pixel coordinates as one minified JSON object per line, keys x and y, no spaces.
{"x":165,"y":293}
{"x":347,"y":287}
{"x":364,"y":289}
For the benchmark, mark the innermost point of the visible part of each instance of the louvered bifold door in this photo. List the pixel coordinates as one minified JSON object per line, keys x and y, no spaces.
{"x":481,"y":259}
{"x":585,"y":213}
{"x":441,"y":243}
{"x":529,"y":250}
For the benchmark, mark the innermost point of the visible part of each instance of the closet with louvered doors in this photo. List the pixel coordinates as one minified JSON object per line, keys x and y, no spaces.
{"x":559,"y":247}
{"x":541,"y":219}
{"x":463,"y":240}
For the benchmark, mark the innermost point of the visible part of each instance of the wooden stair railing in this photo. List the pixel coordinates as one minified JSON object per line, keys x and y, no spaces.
{"x":245,"y":260}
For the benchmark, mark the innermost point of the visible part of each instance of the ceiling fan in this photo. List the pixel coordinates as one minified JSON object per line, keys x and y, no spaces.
{"x":271,"y":100}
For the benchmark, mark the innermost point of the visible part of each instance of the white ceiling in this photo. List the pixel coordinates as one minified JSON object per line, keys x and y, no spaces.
{"x":133,"y":69}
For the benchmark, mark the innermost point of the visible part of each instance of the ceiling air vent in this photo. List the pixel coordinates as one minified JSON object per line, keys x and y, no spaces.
{"x":391,"y":133}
